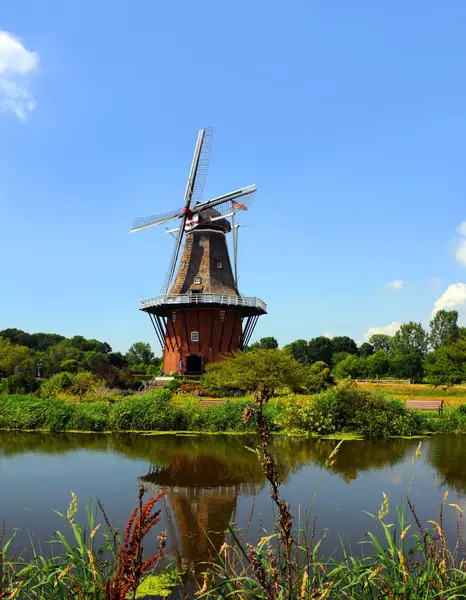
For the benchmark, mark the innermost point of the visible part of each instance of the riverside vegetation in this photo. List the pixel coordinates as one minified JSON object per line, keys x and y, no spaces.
{"x":344,"y":408}
{"x":402,"y":557}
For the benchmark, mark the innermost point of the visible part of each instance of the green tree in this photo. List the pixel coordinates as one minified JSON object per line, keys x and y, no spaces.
{"x":299,"y":350}
{"x":140,"y":353}
{"x":249,"y":371}
{"x":410,"y":337}
{"x":17,"y":336}
{"x":266,"y":343}
{"x":338,"y":357}
{"x":318,"y":378}
{"x":11,"y":356}
{"x":343,"y":343}
{"x":118,"y":360}
{"x":444,"y":328}
{"x":381,"y":341}
{"x":409,"y":347}
{"x":19,"y":383}
{"x":352,"y":366}
{"x":447,"y":365}
{"x":320,"y":349}
{"x":377,"y":364}
{"x":83,"y":382}
{"x":366,"y":350}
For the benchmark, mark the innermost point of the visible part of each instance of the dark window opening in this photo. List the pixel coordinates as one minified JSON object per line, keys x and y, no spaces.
{"x":194,"y":364}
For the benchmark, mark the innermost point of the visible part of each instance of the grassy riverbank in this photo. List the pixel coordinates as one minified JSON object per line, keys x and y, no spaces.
{"x":347,"y":409}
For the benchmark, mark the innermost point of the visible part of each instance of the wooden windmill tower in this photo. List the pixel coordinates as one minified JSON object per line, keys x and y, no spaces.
{"x":199,"y":314}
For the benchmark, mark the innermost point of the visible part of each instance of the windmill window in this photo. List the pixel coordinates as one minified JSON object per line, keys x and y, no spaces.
{"x":222,"y":315}
{"x":197,"y":280}
{"x":194,"y":336}
{"x":174,"y":316}
{"x":219,"y":264}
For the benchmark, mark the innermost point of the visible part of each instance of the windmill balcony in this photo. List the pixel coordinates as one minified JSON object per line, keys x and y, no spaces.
{"x":248,"y":306}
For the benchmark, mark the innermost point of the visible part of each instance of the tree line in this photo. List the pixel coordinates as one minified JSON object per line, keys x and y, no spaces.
{"x":47,"y":354}
{"x":436,"y":356}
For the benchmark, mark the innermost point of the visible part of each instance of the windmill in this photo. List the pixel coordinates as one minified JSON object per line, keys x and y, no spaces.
{"x":199,"y":314}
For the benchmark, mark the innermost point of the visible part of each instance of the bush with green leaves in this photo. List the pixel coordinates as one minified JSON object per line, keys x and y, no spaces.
{"x":348,"y":408}
{"x":452,"y":419}
{"x":19,"y":383}
{"x":318,"y":378}
{"x":61,"y":382}
{"x":173,"y":385}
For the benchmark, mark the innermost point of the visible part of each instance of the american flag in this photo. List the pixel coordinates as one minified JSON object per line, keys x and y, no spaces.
{"x":238,"y":206}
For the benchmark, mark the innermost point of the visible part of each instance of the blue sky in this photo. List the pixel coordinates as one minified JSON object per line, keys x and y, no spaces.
{"x":349,"y":116}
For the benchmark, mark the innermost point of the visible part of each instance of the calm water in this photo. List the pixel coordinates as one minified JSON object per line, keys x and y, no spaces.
{"x":214,"y":479}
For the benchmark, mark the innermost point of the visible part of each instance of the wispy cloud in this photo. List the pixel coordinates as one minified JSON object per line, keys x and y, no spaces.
{"x":16,"y":65}
{"x":328,"y":335}
{"x":396,"y":284}
{"x":460,"y":252}
{"x":389,"y":329}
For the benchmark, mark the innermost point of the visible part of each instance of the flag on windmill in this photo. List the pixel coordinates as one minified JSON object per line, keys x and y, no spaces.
{"x":238,"y":205}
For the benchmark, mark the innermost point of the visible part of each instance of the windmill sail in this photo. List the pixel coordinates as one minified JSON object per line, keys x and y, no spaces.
{"x":144,"y":222}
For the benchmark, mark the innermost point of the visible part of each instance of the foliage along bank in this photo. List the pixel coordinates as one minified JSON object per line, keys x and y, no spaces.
{"x":343,"y":409}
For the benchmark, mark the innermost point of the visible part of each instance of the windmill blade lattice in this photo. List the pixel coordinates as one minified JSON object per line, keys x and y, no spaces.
{"x":144,"y":222}
{"x":202,"y":166}
{"x":225,"y":204}
{"x":201,"y":153}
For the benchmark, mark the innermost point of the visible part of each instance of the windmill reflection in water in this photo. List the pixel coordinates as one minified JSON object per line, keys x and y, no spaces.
{"x":203,"y":492}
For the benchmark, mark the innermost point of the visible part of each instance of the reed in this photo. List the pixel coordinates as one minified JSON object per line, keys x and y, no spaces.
{"x":81,"y":568}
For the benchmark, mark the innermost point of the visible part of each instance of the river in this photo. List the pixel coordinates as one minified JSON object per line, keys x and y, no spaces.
{"x":213,"y":479}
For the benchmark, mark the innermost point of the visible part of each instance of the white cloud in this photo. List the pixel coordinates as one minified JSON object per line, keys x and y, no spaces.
{"x":16,"y":63}
{"x":462,"y":228}
{"x":453,"y":297}
{"x":396,"y":284}
{"x":389,"y":329}
{"x":328,"y":335}
{"x":461,"y":252}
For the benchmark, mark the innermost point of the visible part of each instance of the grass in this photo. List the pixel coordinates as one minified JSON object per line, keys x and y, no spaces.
{"x":452,"y":396}
{"x":162,"y":411}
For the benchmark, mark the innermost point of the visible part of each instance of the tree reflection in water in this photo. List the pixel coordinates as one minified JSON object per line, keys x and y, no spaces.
{"x":205,"y":475}
{"x":446,"y":453}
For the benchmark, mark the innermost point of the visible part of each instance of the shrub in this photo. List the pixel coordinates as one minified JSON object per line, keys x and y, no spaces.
{"x":451,"y":419}
{"x":173,"y":385}
{"x":318,"y":378}
{"x":348,"y":408}
{"x":60,"y":382}
{"x":19,"y":383}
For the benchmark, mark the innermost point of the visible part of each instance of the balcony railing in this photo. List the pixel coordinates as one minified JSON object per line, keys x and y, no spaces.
{"x":204,"y":299}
